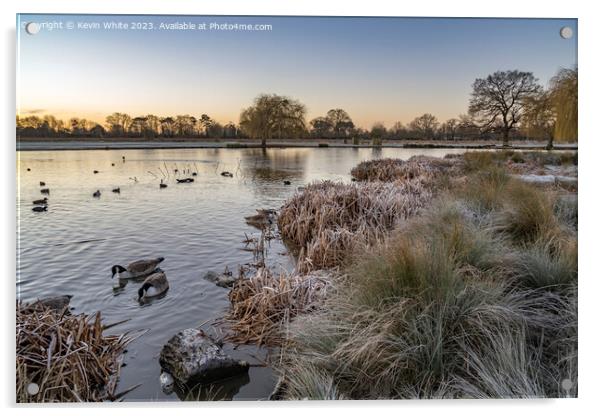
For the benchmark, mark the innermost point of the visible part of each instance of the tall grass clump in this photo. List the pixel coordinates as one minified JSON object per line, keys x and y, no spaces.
{"x":262,"y":305}
{"x":475,"y":297}
{"x":327,"y":220}
{"x":422,"y":167}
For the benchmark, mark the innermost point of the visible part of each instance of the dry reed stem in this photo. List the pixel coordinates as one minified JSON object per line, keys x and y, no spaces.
{"x":67,"y":356}
{"x":263,"y":304}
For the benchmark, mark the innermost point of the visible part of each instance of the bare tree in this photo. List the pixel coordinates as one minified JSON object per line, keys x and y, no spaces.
{"x":321,"y":127}
{"x":499,"y":99}
{"x":424,"y":125}
{"x":539,"y":117}
{"x":273,"y":116}
{"x":340,"y":121}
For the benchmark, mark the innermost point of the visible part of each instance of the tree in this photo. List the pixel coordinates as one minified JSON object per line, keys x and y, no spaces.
{"x":563,"y":94}
{"x":340,"y":121}
{"x":424,"y":125}
{"x":119,"y":124}
{"x":167,"y":126}
{"x":500,"y":98}
{"x":273,"y":116}
{"x":321,"y":127}
{"x":450,"y":127}
{"x":539,"y":117}
{"x":206,"y":122}
{"x":398,"y":131}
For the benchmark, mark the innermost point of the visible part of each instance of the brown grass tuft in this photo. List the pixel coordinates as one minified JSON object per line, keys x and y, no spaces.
{"x":265,"y":303}
{"x":328,"y":220}
{"x":67,"y":356}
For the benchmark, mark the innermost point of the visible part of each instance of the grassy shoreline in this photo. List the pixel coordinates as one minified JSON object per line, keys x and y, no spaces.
{"x":470,"y":294}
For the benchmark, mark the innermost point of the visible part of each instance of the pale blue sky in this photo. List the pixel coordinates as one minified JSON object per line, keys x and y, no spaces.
{"x":378,"y":69}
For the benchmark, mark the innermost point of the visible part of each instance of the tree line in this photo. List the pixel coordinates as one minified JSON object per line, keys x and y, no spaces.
{"x":504,"y":105}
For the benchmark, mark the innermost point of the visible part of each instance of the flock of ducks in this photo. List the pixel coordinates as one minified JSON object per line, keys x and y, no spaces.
{"x":154,"y":284}
{"x":41,"y":205}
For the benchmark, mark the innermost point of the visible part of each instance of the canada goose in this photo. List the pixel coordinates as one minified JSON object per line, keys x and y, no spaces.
{"x":139,"y":268}
{"x":263,"y":219}
{"x":153,"y":285}
{"x":96,"y":194}
{"x":28,"y":170}
{"x":112,"y":164}
{"x":117,"y":190}
{"x":162,"y":185}
{"x":43,"y":201}
{"x":95,"y":171}
{"x":45,"y":191}
{"x":194,"y":173}
{"x":42,"y":183}
{"x":287,"y":182}
{"x":40,"y":208}
{"x":227,"y":174}
{"x":185,"y":180}
{"x":57,"y":303}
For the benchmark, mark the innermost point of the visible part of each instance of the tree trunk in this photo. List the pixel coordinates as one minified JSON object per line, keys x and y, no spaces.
{"x":263,"y":142}
{"x":550,"y":145}
{"x":505,"y":139}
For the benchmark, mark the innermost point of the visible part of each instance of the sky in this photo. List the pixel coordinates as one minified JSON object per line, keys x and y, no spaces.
{"x":377,"y":69}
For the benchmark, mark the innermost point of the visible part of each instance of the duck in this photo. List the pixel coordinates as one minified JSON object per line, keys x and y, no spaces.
{"x":96,"y":194}
{"x":42,"y":183}
{"x":117,"y":190}
{"x":287,"y":182}
{"x":112,"y":164}
{"x":43,"y":201}
{"x":95,"y":171}
{"x":45,"y":191}
{"x":28,"y":169}
{"x":153,"y":285}
{"x":185,"y":180}
{"x":264,"y":218}
{"x":40,"y":208}
{"x":227,"y":174}
{"x":162,"y":185}
{"x":194,"y":173}
{"x":139,"y":268}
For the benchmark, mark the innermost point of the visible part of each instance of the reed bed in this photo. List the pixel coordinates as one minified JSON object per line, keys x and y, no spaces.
{"x":263,"y":305}
{"x":66,"y":358}
{"x":417,"y":167}
{"x":328,"y":220}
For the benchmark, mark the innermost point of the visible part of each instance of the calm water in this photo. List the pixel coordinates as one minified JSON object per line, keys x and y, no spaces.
{"x":197,"y":227}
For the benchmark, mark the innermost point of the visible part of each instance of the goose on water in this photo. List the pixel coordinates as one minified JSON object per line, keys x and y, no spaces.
{"x":96,"y":194}
{"x":40,"y":208}
{"x":45,"y":191}
{"x":139,"y":268}
{"x":43,"y":201}
{"x":153,"y":285}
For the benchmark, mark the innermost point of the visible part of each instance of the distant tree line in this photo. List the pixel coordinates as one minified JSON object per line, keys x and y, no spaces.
{"x":504,"y":105}
{"x":123,"y":125}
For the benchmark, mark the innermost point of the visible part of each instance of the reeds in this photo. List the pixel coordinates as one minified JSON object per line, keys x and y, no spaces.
{"x":328,"y":220}
{"x":261,"y":306}
{"x":66,"y":358}
{"x":422,"y":167}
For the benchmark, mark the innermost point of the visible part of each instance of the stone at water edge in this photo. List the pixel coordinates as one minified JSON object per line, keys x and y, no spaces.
{"x":167,"y":382}
{"x":191,"y":356}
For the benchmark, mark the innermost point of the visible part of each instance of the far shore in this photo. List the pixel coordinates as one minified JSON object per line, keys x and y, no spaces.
{"x":37,"y":144}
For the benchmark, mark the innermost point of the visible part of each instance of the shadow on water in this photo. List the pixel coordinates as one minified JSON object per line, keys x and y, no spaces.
{"x":225,"y":389}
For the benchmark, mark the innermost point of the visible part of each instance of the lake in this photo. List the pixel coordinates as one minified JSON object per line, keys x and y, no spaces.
{"x":198,"y":227}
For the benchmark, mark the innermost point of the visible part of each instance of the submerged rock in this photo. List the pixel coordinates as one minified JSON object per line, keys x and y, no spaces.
{"x":191,"y":356}
{"x":221,"y":280}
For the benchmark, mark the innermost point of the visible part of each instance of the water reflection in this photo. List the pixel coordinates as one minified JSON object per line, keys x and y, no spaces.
{"x":198,"y":227}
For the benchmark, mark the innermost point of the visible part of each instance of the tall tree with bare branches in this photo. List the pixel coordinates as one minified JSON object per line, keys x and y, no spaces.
{"x":499,"y":99}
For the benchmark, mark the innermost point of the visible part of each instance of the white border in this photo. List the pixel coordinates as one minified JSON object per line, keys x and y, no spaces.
{"x":589,"y":235}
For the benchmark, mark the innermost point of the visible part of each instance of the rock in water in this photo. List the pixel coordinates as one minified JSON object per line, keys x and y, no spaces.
{"x":191,"y":356}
